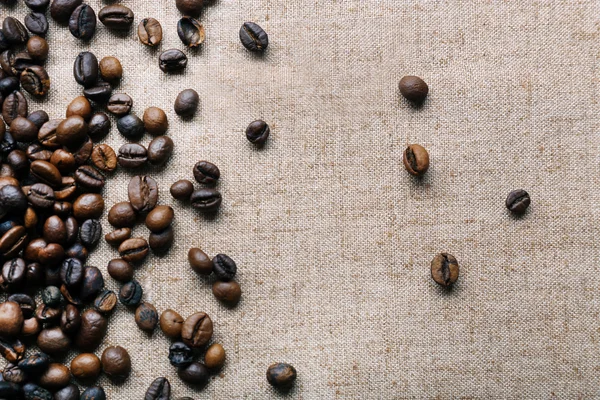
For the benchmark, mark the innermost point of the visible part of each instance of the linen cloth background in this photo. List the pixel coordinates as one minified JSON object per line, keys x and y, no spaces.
{"x":332,"y":237}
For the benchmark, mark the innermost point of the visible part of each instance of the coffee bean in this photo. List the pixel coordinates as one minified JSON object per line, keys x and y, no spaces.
{"x":35,"y":363}
{"x":13,"y":274}
{"x":416,"y":160}
{"x":116,"y":16}
{"x":9,"y":85}
{"x":150,"y":32}
{"x":99,"y":126}
{"x":37,"y":23}
{"x":104,"y":158}
{"x":12,"y":350}
{"x":23,"y":130}
{"x":518,"y":201}
{"x":14,"y":31}
{"x":106,"y":301}
{"x":161,"y":241}
{"x":72,"y":131}
{"x":171,"y":324}
{"x":253,"y":37}
{"x":189,"y":7}
{"x":199,"y":261}
{"x":194,"y":374}
{"x":89,"y":177}
{"x":206,"y":172}
{"x":180,"y":355}
{"x":146,"y":317}
{"x":413,"y":88}
{"x":26,"y":302}
{"x":55,"y":377}
{"x":281,"y":375}
{"x":160,"y":389}
{"x":120,"y":270}
{"x":190,"y":31}
{"x":15,"y":105}
{"x":80,"y":106}
{"x":92,"y":331}
{"x":122,"y":215}
{"x":61,"y":10}
{"x":172,"y":60}
{"x":9,"y":390}
{"x":85,"y":69}
{"x":258,"y":132}
{"x":120,"y":104}
{"x":88,"y":206}
{"x":134,"y":250}
{"x":444,"y":269}
{"x":131,"y":294}
{"x":70,"y":392}
{"x":70,"y":319}
{"x":63,"y":160}
{"x":160,"y":150}
{"x":214,"y":358}
{"x":224,"y":267}
{"x":197,"y":330}
{"x":227,"y":292}
{"x":55,"y":230}
{"x":37,"y":48}
{"x":93,"y":393}
{"x":72,"y":228}
{"x":131,"y":127}
{"x":92,"y":284}
{"x":159,"y":218}
{"x":118,"y":236}
{"x":12,"y":199}
{"x":143,"y":194}
{"x":47,"y":134}
{"x":82,"y":22}
{"x":62,"y":209}
{"x":37,"y":5}
{"x":51,"y":296}
{"x":41,"y":196}
{"x":111,"y":69}
{"x":12,"y":242}
{"x":77,"y":250}
{"x":155,"y":120}
{"x":182,"y":189}
{"x":35,"y":151}
{"x":53,"y":341}
{"x":14,"y":63}
{"x":82,"y":153}
{"x":12,"y":373}
{"x":71,"y":272}
{"x":90,"y":233}
{"x":207,"y":200}
{"x":187,"y":102}
{"x":100,"y":93}
{"x":132,"y":155}
{"x":86,"y":366}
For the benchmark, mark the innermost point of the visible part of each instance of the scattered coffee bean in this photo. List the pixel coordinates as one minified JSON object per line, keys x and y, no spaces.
{"x":86,"y":366}
{"x":116,"y":362}
{"x":118,"y":236}
{"x":253,"y":37}
{"x":23,"y":130}
{"x":93,"y":283}
{"x":224,"y":267}
{"x":106,"y":301}
{"x":281,"y":375}
{"x":190,"y":31}
{"x":180,"y":355}
{"x":146,"y":317}
{"x":161,"y":241}
{"x":171,"y":323}
{"x":155,"y":121}
{"x":82,"y":23}
{"x":131,"y":127}
{"x":92,"y":331}
{"x":120,"y":270}
{"x":416,"y":160}
{"x":228,"y":292}
{"x":37,"y":48}
{"x":150,"y":32}
{"x":206,"y":200}
{"x":134,"y":250}
{"x":132,"y":155}
{"x":111,"y":69}
{"x":199,"y":261}
{"x":258,"y":132}
{"x":189,"y":7}
{"x":182,"y":189}
{"x":195,"y":374}
{"x":61,"y":10}
{"x":518,"y":201}
{"x":131,"y":294}
{"x":35,"y":363}
{"x":14,"y":31}
{"x":160,"y":150}
{"x":187,"y":102}
{"x":206,"y":172}
{"x":100,"y":93}
{"x":79,"y":106}
{"x":160,"y":218}
{"x":37,"y":23}
{"x":93,"y":393}
{"x":116,"y":16}
{"x":197,"y":330}
{"x":70,"y":392}
{"x":99,"y":126}
{"x":413,"y":88}
{"x":85,"y":69}
{"x":71,"y":272}
{"x":143,"y":194}
{"x":160,"y":389}
{"x":104,"y":158}
{"x":31,"y":327}
{"x":120,"y":104}
{"x":444,"y":269}
{"x":122,"y":215}
{"x":172,"y":60}
{"x":214,"y":358}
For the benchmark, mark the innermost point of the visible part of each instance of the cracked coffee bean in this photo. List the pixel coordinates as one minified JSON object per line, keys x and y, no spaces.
{"x":197,"y":330}
{"x":143,"y":194}
{"x":224,"y":267}
{"x":35,"y":81}
{"x":416,"y":160}
{"x":106,"y":301}
{"x":444,"y":269}
{"x":190,"y":31}
{"x":253,"y":37}
{"x":180,"y":355}
{"x":150,"y":32}
{"x":132,"y":155}
{"x":14,"y":31}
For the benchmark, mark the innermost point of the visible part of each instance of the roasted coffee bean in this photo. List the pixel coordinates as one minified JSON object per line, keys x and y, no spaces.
{"x":206,"y":172}
{"x":160,"y":389}
{"x":155,"y":121}
{"x":160,"y":218}
{"x":70,"y":392}
{"x":207,"y":200}
{"x":33,"y":248}
{"x":444,"y":269}
{"x":35,"y":151}
{"x":93,"y":393}
{"x":82,"y":22}
{"x":122,"y":215}
{"x":63,"y":209}
{"x":13,"y":274}
{"x":37,"y":5}
{"x":190,"y":31}
{"x":160,"y":150}
{"x":12,"y":373}
{"x":224,"y":267}
{"x":146,"y":317}
{"x":14,"y":63}
{"x":150,"y":32}
{"x":70,"y":319}
{"x":85,"y":69}
{"x":53,"y":341}
{"x":61,"y":10}
{"x":9,"y":390}
{"x":228,"y":292}
{"x":86,"y":366}
{"x":89,"y":177}
{"x":182,"y":189}
{"x":35,"y":275}
{"x":413,"y":88}
{"x":116,"y":362}
{"x":23,"y":130}
{"x":130,"y":126}
{"x":37,"y":48}
{"x":13,"y":241}
{"x":82,"y":153}
{"x":132,"y":155}
{"x":93,"y":283}
{"x":72,"y":132}
{"x":47,"y":134}
{"x":100,"y":93}
{"x":63,"y":160}
{"x":67,"y":188}
{"x":214,"y":358}
{"x":253,"y":37}
{"x":56,"y":376}
{"x":172,"y":60}
{"x":161,"y":241}
{"x":104,"y":158}
{"x":111,"y":69}
{"x":51,"y":256}
{"x":9,"y":85}
{"x":15,"y":105}
{"x":37,"y":23}
{"x":171,"y":324}
{"x":12,"y":350}
{"x":187,"y":102}
{"x":55,"y":230}
{"x":72,"y":229}
{"x":131,"y":293}
{"x":88,"y":206}
{"x":12,"y":200}
{"x":416,"y":160}
{"x":26,"y":302}
{"x":106,"y":301}
{"x":99,"y":126}
{"x":120,"y":104}
{"x":258,"y":132}
{"x":9,"y":223}
{"x":180,"y":355}
{"x":47,"y":314}
{"x":281,"y":375}
{"x":77,"y":250}
{"x":116,"y":16}
{"x":120,"y":270}
{"x":51,"y":296}
{"x":14,"y":31}
{"x":195,"y":374}
{"x":197,"y":330}
{"x":118,"y":236}
{"x":80,"y":106}
{"x":35,"y":392}
{"x":41,"y":196}
{"x":35,"y":363}
{"x":71,"y":272}
{"x":518,"y":201}
{"x":199,"y":261}
{"x":134,"y":250}
{"x":143,"y":194}
{"x":92,"y":331}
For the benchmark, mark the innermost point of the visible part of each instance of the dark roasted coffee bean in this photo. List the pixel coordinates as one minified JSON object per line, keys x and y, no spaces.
{"x":214,"y":358}
{"x":100,"y":93}
{"x":70,"y":392}
{"x":11,"y":319}
{"x":104,"y":158}
{"x":116,"y":16}
{"x":416,"y":160}
{"x":189,"y":7}
{"x":253,"y":37}
{"x":199,"y":261}
{"x":37,"y":23}
{"x":134,"y":250}
{"x":12,"y":200}
{"x":82,"y":22}
{"x":63,"y":209}
{"x":77,"y":250}
{"x":150,"y":32}
{"x":13,"y":274}
{"x":37,"y":5}
{"x":70,"y":319}
{"x":61,"y":10}
{"x":31,"y":253}
{"x":37,"y":48}
{"x":90,"y":233}
{"x":88,"y":206}
{"x":51,"y":296}
{"x":518,"y":201}
{"x":14,"y":31}
{"x":84,"y":151}
{"x":9,"y":390}
{"x":39,"y":118}
{"x":131,"y":294}
{"x":120,"y":104}
{"x":122,"y":215}
{"x":92,"y":331}
{"x":31,"y":391}
{"x":53,"y":341}
{"x":118,"y":236}
{"x":92,"y":284}
{"x":26,"y":302}
{"x":47,"y":314}
{"x":89,"y":177}
{"x":35,"y":151}
{"x":12,"y":373}
{"x":63,"y":160}
{"x":35,"y":363}
{"x":207,"y":200}
{"x":46,"y":172}
{"x":86,"y":366}
{"x":71,"y":272}
{"x":111,"y":69}
{"x":146,"y":317}
{"x":41,"y":196}
{"x":106,"y":301}
{"x":161,"y":241}
{"x":190,"y":31}
{"x":206,"y":172}
{"x":281,"y":375}
{"x":23,"y":130}
{"x":85,"y":69}
{"x":180,"y":355}
{"x":187,"y":102}
{"x":9,"y":85}
{"x":160,"y":218}
{"x":444,"y":269}
{"x":132,"y":155}
{"x":72,"y":132}
{"x":143,"y":194}
{"x":99,"y":126}
{"x":51,"y":256}
{"x":31,"y":326}
{"x":224,"y":267}
{"x":47,"y":134}
{"x":93,"y":393}
{"x":160,"y":389}
{"x":120,"y":270}
{"x":130,"y":126}
{"x":413,"y":88}
{"x":79,"y":106}
{"x":182,"y":189}
{"x":258,"y":132}
{"x":197,"y":330}
{"x":12,"y":350}
{"x":15,"y":105}
{"x":172,"y":60}
{"x":227,"y":292}
{"x":194,"y":374}
{"x":54,"y":230}
{"x":160,"y":150}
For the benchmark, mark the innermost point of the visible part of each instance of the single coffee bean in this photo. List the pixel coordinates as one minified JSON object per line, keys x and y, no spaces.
{"x":88,"y":206}
{"x":171,"y":324}
{"x":100,"y":93}
{"x":13,"y":241}
{"x":517,"y":201}
{"x":9,"y":85}
{"x":118,"y":236}
{"x":89,"y":177}
{"x":160,"y":150}
{"x":70,"y":319}
{"x":82,"y":22}
{"x":116,"y":16}
{"x":80,"y":106}
{"x":41,"y":196}
{"x":182,"y":189}
{"x":131,"y":127}
{"x":197,"y":330}
{"x":77,"y":250}
{"x":224,"y":267}
{"x":12,"y":199}
{"x":150,"y":32}
{"x":155,"y":120}
{"x":131,"y":293}
{"x":35,"y":151}
{"x":207,"y":200}
{"x":85,"y":69}
{"x":161,"y":241}
{"x":413,"y":88}
{"x":35,"y":275}
{"x":104,"y":158}
{"x":35,"y":363}
{"x":253,"y":37}
{"x":228,"y":292}
{"x":120,"y":104}
{"x":67,"y":189}
{"x":15,"y":105}
{"x":56,"y":376}
{"x":111,"y":69}
{"x":180,"y":355}
{"x":92,"y":284}
{"x":281,"y":375}
{"x":99,"y":126}
{"x":26,"y":302}
{"x":37,"y":5}
{"x":258,"y":132}
{"x":70,"y":392}
{"x":86,"y":366}
{"x":63,"y":209}
{"x":106,"y":301}
{"x":72,"y":131}
{"x":71,"y":272}
{"x":63,"y":160}
{"x":190,"y":31}
{"x":37,"y":23}
{"x":31,"y":253}
{"x":13,"y":274}
{"x":84,"y":151}
{"x":120,"y":270}
{"x":72,"y":228}
{"x":51,"y":256}
{"x":134,"y":250}
{"x":146,"y":317}
{"x":189,"y":7}
{"x":160,"y":389}
{"x":194,"y":374}
{"x":122,"y":215}
{"x":206,"y":172}
{"x":55,"y":230}
{"x":199,"y":261}
{"x":93,"y":393}
{"x":143,"y":194}
{"x":53,"y":341}
{"x":14,"y":31}
{"x":160,"y":218}
{"x":132,"y":155}
{"x":444,"y":269}
{"x":172,"y":60}
{"x":23,"y":130}
{"x":37,"y":48}
{"x":90,"y":233}
{"x":214,"y":358}
{"x":92,"y":331}
{"x":61,"y":10}
{"x":416,"y":160}
{"x":12,"y":350}
{"x":187,"y":102}
{"x":51,"y":296}
{"x":47,"y":134}
{"x":12,"y":373}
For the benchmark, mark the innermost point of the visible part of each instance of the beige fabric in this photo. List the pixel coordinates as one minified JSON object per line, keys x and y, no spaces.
{"x":333,"y":238}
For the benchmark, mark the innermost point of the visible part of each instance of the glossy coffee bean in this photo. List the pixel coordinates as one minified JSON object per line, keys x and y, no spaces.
{"x":161,"y":241}
{"x":143,"y":194}
{"x":13,"y":241}
{"x":132,"y":155}
{"x":37,"y":23}
{"x":82,"y":23}
{"x":131,"y":293}
{"x":35,"y":363}
{"x":199,"y":261}
{"x":47,"y":134}
{"x":55,"y":377}
{"x":122,"y":215}
{"x":281,"y":375}
{"x":104,"y":158}
{"x":416,"y":160}
{"x":214,"y":358}
{"x":194,"y":374}
{"x":61,"y":10}
{"x":159,"y":218}
{"x":172,"y":60}
{"x":70,"y":319}
{"x":86,"y":367}
{"x":80,"y":106}
{"x":159,"y":389}
{"x":155,"y":121}
{"x":9,"y":85}
{"x":41,"y":196}
{"x":70,"y":392}
{"x":13,"y":274}
{"x":120,"y":270}
{"x":130,"y":126}
{"x":12,"y":200}
{"x":111,"y":69}
{"x":413,"y":88}
{"x":14,"y":31}
{"x":85,"y":69}
{"x":71,"y":131}
{"x":100,"y":93}
{"x":99,"y":126}
{"x":106,"y":301}
{"x":171,"y":324}
{"x":116,"y":362}
{"x":35,"y":151}
{"x":89,"y":177}
{"x":88,"y":206}
{"x":55,"y":230}
{"x":189,"y":7}
{"x":191,"y":32}
{"x":53,"y":341}
{"x":228,"y":292}
{"x":116,"y":16}
{"x":15,"y":105}
{"x":90,"y":232}
{"x":180,"y":355}
{"x":77,"y":250}
{"x":71,"y":272}
{"x":118,"y":236}
{"x":258,"y":132}
{"x":93,"y":393}
{"x":146,"y":317}
{"x":83,"y":152}
{"x":187,"y":102}
{"x":47,"y":314}
{"x":120,"y":104}
{"x":37,"y":48}
{"x":23,"y":130}
{"x":224,"y":267}
{"x":444,"y":269}
{"x":206,"y":200}
{"x":93,"y":283}
{"x":160,"y":150}
{"x":92,"y":330}
{"x":518,"y":201}
{"x":206,"y":173}
{"x":26,"y":302}
{"x":197,"y":330}
{"x":253,"y":37}
{"x":182,"y":189}
{"x":150,"y":32}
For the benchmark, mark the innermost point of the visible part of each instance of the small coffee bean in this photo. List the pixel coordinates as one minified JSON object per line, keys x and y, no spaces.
{"x":15,"y":105}
{"x":199,"y":261}
{"x":131,"y":293}
{"x":189,"y":7}
{"x":518,"y":201}
{"x":63,"y":160}
{"x":93,"y":393}
{"x":9,"y":85}
{"x":132,"y":155}
{"x":214,"y":358}
{"x":35,"y":363}
{"x":150,"y":32}
{"x":413,"y":88}
{"x":86,"y":366}
{"x":116,"y":16}
{"x":88,"y":206}
{"x":70,"y":319}
{"x":12,"y":373}
{"x":51,"y":256}
{"x":99,"y":126}
{"x":18,"y":161}
{"x":12,"y":350}
{"x":85,"y":69}
{"x":253,"y":37}
{"x":80,"y":106}
{"x":82,"y":22}
{"x":100,"y":93}
{"x":14,"y":31}
{"x":37,"y":48}
{"x":171,"y":324}
{"x":444,"y":269}
{"x":13,"y":274}
{"x":37,"y":5}
{"x":120,"y":270}
{"x":416,"y":160}
{"x":63,"y":209}
{"x":106,"y":301}
{"x":33,"y":248}
{"x":90,"y":232}
{"x":195,"y":374}
{"x":159,"y":218}
{"x":53,"y":341}
{"x":37,"y":23}
{"x":228,"y":292}
{"x":161,"y":241}
{"x":13,"y":241}
{"x":182,"y":189}
{"x":224,"y":267}
{"x":118,"y":236}
{"x":180,"y":355}
{"x":72,"y":131}
{"x":23,"y":130}
{"x":134,"y":250}
{"x":51,"y":296}
{"x":78,"y":251}
{"x":131,"y":127}
{"x":197,"y":330}
{"x":122,"y":215}
{"x":281,"y":375}
{"x":120,"y":104}
{"x":56,"y":376}
{"x":92,"y":331}
{"x":47,"y":134}
{"x":190,"y":31}
{"x":92,"y":284}
{"x":207,"y":200}
{"x":258,"y":132}
{"x":160,"y":389}
{"x":71,"y":272}
{"x":72,"y":228}
{"x":146,"y":317}
{"x":143,"y":194}
{"x":89,"y":177}
{"x":70,"y":392}
{"x":172,"y":60}
{"x":111,"y":69}
{"x":206,"y":172}
{"x":155,"y":120}
{"x":160,"y":150}
{"x":187,"y":102}
{"x":104,"y":158}
{"x":61,"y":10}
{"x":26,"y":302}
{"x":55,"y":230}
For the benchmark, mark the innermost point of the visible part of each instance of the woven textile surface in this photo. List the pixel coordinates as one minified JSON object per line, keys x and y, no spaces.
{"x":333,"y":239}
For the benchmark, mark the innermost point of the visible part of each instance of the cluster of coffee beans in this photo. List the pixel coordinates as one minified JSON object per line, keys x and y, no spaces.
{"x":207,"y":199}
{"x":224,"y":288}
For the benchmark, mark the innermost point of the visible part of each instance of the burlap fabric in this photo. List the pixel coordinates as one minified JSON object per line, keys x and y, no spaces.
{"x":333,"y":238}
